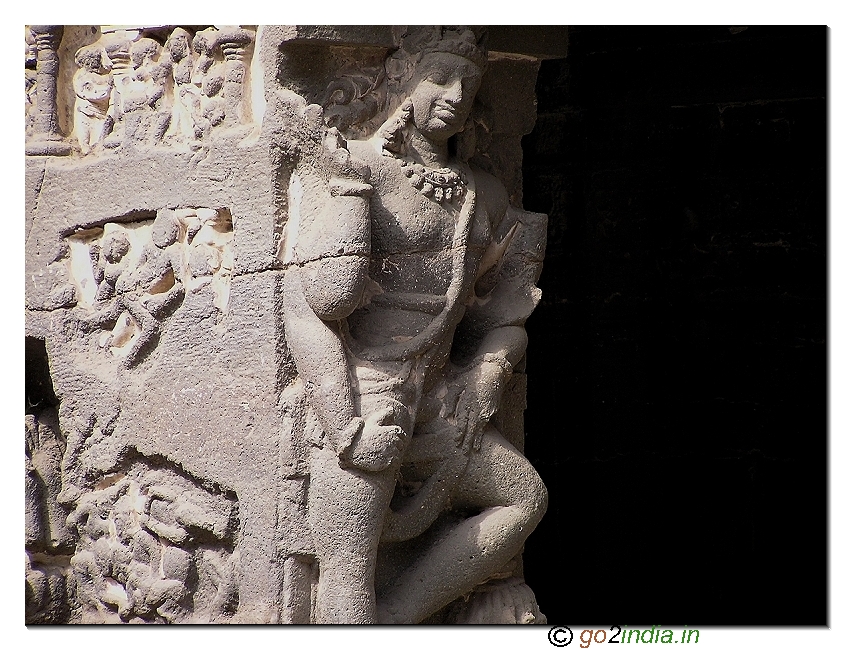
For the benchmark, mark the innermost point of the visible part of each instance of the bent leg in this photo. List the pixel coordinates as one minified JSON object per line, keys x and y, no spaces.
{"x":149,"y":331}
{"x":501,"y":482}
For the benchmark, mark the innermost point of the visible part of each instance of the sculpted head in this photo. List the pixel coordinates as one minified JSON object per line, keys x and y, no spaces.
{"x":204,"y":45}
{"x":89,"y":58}
{"x":444,"y":87}
{"x":145,"y":49}
{"x":165,"y":230}
{"x":437,"y":78}
{"x":115,"y":246}
{"x":179,"y":44}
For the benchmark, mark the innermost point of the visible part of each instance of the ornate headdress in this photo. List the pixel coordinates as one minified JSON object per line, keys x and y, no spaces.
{"x":356,"y":100}
{"x":460,"y":41}
{"x":420,"y":41}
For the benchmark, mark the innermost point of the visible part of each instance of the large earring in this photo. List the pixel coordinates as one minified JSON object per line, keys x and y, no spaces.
{"x":393,"y":132}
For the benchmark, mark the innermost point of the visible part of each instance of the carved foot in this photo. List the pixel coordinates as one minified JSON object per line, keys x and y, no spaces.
{"x":504,"y":602}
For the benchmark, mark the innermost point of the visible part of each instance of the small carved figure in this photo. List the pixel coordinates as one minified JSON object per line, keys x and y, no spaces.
{"x":150,"y":114}
{"x":372,"y":332}
{"x":125,"y":89}
{"x":30,"y":61}
{"x":109,"y":264}
{"x":155,"y":287}
{"x":149,"y":292}
{"x":93,"y":87}
{"x":45,"y":517}
{"x":179,"y":48}
{"x":208,"y":105}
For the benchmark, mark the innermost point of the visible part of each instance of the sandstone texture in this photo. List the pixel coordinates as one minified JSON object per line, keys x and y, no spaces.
{"x":276,"y":285}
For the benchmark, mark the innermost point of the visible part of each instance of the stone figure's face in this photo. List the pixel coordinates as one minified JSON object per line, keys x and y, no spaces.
{"x":89,"y":59}
{"x":178,"y":45}
{"x":164,"y":232}
{"x":445,"y":90}
{"x":115,"y":247}
{"x":143,"y":52}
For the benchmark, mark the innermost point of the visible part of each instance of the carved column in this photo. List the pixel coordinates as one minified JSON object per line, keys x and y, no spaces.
{"x":234,"y":42}
{"x":47,"y":140}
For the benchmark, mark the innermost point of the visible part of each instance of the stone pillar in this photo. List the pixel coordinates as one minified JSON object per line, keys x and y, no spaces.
{"x":234,"y":42}
{"x":46,"y":138}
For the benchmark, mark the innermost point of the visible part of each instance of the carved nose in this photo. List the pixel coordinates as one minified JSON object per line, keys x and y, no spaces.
{"x":454,"y":93}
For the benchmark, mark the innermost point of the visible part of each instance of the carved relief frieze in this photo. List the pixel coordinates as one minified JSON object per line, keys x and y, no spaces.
{"x":330,"y":431}
{"x":140,"y":86}
{"x":130,"y":277}
{"x":154,"y":546}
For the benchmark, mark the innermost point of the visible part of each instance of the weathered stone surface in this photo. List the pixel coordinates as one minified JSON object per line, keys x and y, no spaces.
{"x":282,"y":282}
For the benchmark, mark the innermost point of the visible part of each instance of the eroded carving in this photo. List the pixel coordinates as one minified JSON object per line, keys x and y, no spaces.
{"x":46,"y":138}
{"x":330,"y":432}
{"x":132,"y":277}
{"x":143,"y":95}
{"x":140,"y":87}
{"x":385,"y":317}
{"x":30,"y":75}
{"x":93,"y":88}
{"x":47,"y":539}
{"x":156,"y":547}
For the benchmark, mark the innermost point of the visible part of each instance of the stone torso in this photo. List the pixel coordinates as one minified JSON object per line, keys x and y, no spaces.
{"x":412,"y":261}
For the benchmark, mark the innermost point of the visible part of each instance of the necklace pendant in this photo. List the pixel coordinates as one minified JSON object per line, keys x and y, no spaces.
{"x":440,"y":185}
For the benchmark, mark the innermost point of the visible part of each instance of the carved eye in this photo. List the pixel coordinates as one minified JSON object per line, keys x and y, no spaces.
{"x":438,"y":76}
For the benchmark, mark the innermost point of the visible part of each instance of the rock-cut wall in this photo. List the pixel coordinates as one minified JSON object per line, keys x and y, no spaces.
{"x":276,"y":287}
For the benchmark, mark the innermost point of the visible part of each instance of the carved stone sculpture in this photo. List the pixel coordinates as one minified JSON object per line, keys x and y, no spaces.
{"x":93,"y":87}
{"x":46,"y":139}
{"x":288,"y":353}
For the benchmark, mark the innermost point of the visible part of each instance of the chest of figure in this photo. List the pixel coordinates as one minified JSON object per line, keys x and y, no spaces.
{"x":406,"y":221}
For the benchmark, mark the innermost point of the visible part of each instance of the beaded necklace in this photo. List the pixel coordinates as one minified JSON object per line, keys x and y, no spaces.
{"x":439,"y":185}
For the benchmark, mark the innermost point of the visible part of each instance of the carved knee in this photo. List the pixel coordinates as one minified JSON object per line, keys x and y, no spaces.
{"x":532,"y":497}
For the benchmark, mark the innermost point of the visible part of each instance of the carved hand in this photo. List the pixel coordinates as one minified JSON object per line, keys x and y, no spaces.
{"x":339,"y":161}
{"x":477,"y":403}
{"x":377,"y":445}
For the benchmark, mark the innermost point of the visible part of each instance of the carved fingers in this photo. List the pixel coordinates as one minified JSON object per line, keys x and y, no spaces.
{"x":469,"y":421}
{"x":340,"y":162}
{"x":379,"y":443}
{"x":477,"y":404}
